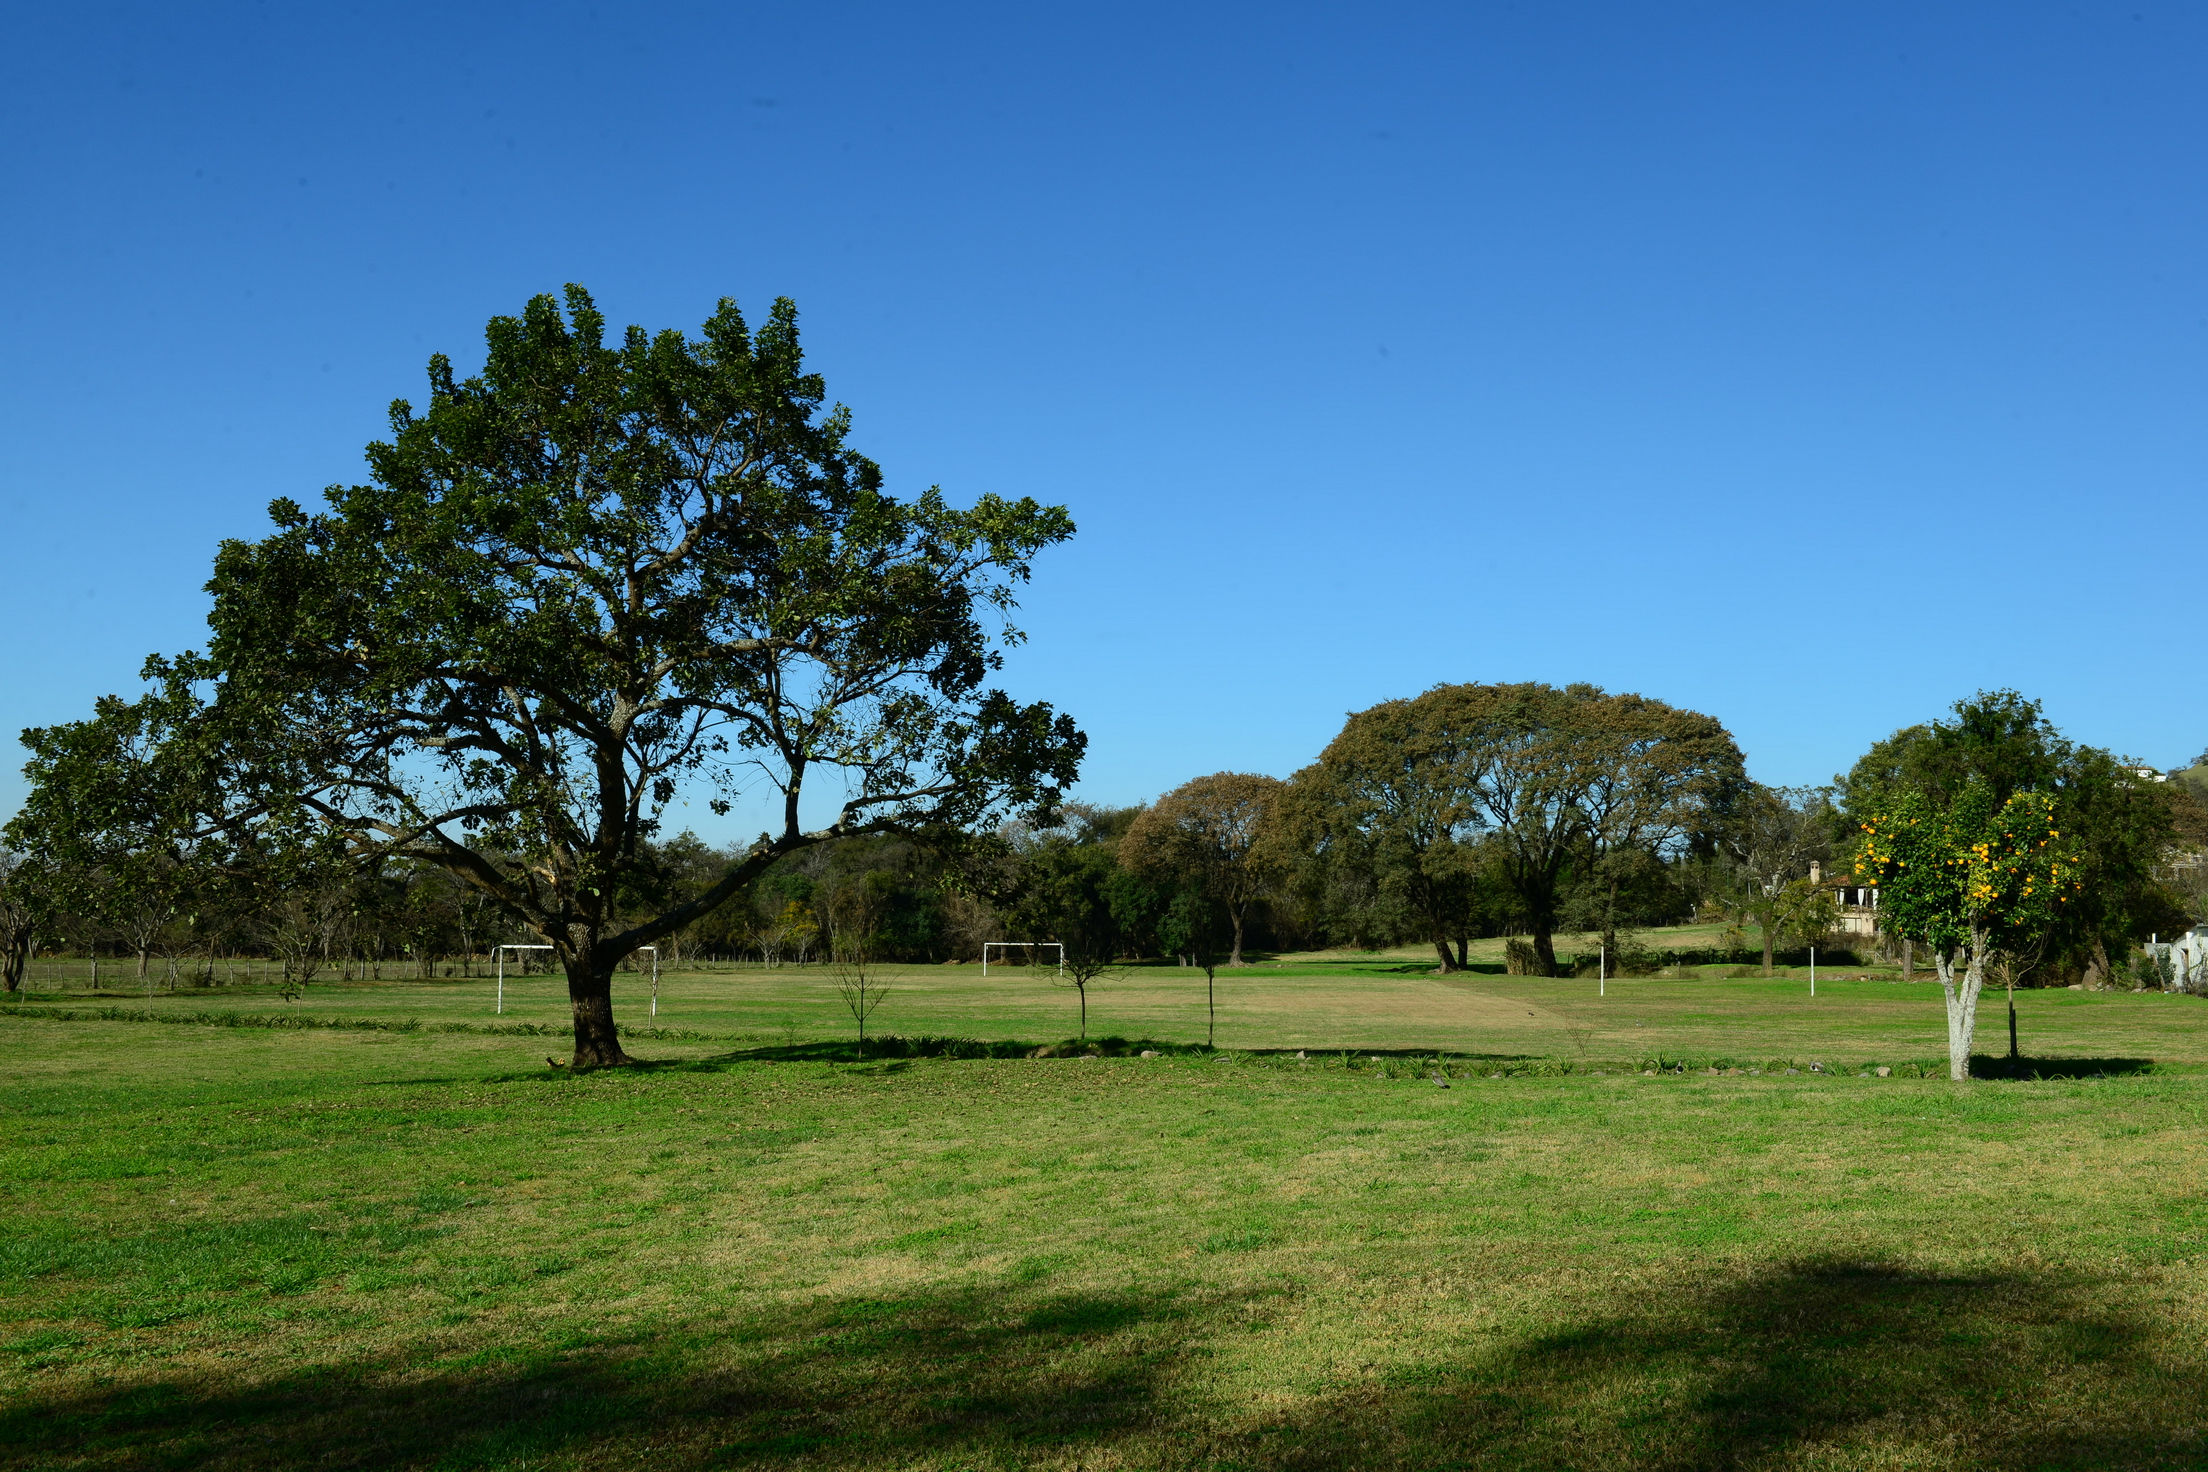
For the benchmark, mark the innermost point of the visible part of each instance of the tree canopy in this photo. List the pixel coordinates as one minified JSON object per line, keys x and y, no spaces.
{"x":1531,"y":784}
{"x":1770,"y":837}
{"x":1210,"y":834}
{"x":589,"y":578}
{"x":2123,"y":825}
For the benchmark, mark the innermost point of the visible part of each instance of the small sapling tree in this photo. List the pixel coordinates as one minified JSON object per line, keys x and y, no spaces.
{"x":1065,"y":895}
{"x":1192,"y":926}
{"x":855,"y":918}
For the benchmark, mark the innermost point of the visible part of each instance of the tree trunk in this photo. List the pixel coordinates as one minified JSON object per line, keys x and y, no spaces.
{"x":590,"y":993}
{"x":1441,"y":949}
{"x":1211,"y":1011}
{"x":1544,"y":949}
{"x":1236,"y":912}
{"x":1464,"y":953}
{"x":1908,"y":960}
{"x":2014,"y":1058}
{"x":1962,"y":1002}
{"x":1767,"y":957}
{"x":1610,"y":921}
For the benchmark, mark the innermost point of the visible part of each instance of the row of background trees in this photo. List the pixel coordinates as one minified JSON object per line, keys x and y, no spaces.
{"x":1472,"y":811}
{"x":1469,"y":812}
{"x":1530,"y":811}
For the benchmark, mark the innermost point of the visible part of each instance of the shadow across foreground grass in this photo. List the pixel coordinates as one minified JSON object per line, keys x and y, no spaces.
{"x":1837,"y":1363}
{"x":2000,"y":1066}
{"x":1811,"y":1363}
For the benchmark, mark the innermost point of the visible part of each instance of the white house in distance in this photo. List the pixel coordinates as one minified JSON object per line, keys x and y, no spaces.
{"x":1858,"y":902}
{"x":2188,"y":957}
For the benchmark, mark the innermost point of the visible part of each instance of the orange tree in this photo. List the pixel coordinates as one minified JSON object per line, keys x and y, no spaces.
{"x":1966,"y":879}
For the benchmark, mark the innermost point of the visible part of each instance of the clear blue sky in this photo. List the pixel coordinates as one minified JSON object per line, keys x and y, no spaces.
{"x":1811,"y":365}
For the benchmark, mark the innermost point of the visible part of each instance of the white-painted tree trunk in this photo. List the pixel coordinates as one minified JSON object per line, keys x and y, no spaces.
{"x":1962,"y":1001}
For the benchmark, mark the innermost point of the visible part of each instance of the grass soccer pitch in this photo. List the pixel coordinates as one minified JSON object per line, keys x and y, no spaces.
{"x":383,"y":1233}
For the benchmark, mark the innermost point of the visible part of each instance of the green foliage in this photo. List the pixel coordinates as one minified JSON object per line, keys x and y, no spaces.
{"x":1065,"y":894}
{"x":1970,"y":872}
{"x":1765,"y":845}
{"x":1469,"y":793}
{"x":2118,"y":827}
{"x":575,"y":584}
{"x":1217,"y":835}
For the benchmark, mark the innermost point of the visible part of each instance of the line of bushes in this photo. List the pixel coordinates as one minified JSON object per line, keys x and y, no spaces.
{"x":891,"y":1047}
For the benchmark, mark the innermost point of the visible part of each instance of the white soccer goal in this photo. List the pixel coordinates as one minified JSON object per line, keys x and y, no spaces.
{"x":1030,"y":944}
{"x":501,"y":951}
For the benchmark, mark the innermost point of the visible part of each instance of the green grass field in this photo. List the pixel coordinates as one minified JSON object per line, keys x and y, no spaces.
{"x":361,"y":1245}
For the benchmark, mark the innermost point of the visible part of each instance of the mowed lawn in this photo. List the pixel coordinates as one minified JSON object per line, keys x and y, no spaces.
{"x":245,"y":1247}
{"x":1386,"y":1003}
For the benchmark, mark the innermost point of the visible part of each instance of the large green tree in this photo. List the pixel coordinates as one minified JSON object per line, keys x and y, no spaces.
{"x":1211,"y":834}
{"x":1533,"y":783}
{"x":595,"y":575}
{"x":1395,"y":801}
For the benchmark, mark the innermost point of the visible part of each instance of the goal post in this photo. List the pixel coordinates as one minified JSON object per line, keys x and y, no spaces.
{"x":500,"y":952}
{"x":1029,"y":944}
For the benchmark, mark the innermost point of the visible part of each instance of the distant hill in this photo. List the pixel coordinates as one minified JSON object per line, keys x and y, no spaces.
{"x":2195,"y":778}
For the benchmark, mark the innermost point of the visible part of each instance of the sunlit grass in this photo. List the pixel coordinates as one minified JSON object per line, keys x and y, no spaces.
{"x":251,"y":1247}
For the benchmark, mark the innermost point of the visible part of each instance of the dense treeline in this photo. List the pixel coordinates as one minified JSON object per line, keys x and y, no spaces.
{"x":414,"y":920}
{"x":1465,"y":813}
{"x":1528,"y":810}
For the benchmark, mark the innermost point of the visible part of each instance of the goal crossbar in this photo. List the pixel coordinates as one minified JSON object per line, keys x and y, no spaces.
{"x":500,"y":952}
{"x":1029,"y":944}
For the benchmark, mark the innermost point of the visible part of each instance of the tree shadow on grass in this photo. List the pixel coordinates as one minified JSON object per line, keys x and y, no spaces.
{"x":2000,"y":1066}
{"x":1814,"y":1364}
{"x":866,"y":1382}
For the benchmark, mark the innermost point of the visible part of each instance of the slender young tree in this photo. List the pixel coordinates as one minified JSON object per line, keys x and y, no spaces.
{"x":591,"y":577}
{"x":1967,"y":877}
{"x":1771,"y":836}
{"x":1064,"y":894}
{"x":856,"y":916}
{"x":1192,"y":925}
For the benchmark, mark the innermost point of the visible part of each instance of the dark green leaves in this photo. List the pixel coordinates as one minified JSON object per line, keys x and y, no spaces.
{"x":592,"y":577}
